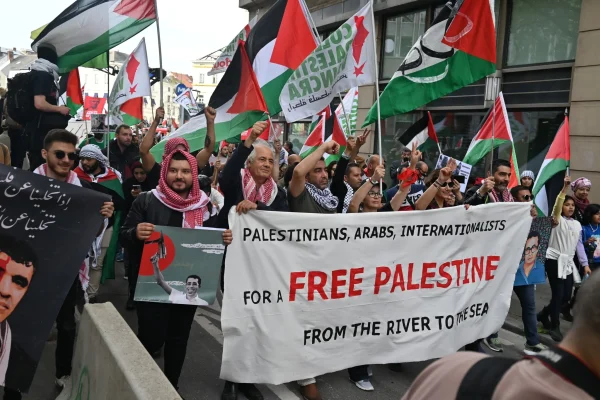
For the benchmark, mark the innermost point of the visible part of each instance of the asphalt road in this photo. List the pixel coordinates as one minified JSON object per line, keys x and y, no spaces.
{"x":200,"y":376}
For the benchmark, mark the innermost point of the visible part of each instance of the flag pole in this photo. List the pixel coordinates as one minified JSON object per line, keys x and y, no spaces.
{"x":318,"y":39}
{"x":569,"y":163}
{"x":272,"y":130}
{"x":107,"y":134}
{"x":160,"y":64}
{"x":377,"y":92}
{"x":493,"y":136}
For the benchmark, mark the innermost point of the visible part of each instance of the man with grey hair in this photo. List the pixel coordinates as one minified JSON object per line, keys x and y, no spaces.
{"x":247,"y":182}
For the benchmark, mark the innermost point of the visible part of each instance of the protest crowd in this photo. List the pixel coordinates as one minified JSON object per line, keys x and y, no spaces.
{"x":194,"y":187}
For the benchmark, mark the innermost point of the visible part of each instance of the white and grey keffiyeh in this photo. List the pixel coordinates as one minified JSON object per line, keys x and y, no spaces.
{"x":93,"y":151}
{"x":347,"y":198}
{"x":324,"y":197}
{"x":46,"y":66}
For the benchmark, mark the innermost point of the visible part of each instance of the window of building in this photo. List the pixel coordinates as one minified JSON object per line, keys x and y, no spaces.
{"x":540,"y":33}
{"x":533,"y":132}
{"x":214,"y":79}
{"x":169,"y":89}
{"x":95,"y":78}
{"x":168,"y":99}
{"x":201,"y":78}
{"x":401,"y":32}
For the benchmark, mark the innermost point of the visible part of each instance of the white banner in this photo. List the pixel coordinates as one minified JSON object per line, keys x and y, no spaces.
{"x":228,"y":51}
{"x":344,"y":60}
{"x":310,"y":294}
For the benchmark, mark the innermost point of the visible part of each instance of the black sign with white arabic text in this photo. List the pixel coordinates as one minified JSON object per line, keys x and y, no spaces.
{"x":46,"y":230}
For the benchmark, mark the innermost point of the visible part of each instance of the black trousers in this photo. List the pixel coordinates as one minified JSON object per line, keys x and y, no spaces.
{"x":18,"y":148}
{"x":132,"y":277}
{"x":169,"y":325}
{"x":561,"y":290}
{"x":359,"y":373}
{"x":67,"y":329}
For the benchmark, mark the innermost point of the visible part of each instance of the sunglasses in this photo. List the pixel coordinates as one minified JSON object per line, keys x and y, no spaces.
{"x":423,"y":173}
{"x":527,"y":197}
{"x":375,"y":195}
{"x":61,"y":155}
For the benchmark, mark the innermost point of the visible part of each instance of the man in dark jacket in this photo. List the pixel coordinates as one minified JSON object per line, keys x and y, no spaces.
{"x":177,"y":201}
{"x":121,"y":152}
{"x":494,"y":187}
{"x":247,"y":182}
{"x":348,"y":175}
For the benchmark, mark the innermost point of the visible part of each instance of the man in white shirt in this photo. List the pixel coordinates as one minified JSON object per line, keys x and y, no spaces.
{"x":192,"y":284}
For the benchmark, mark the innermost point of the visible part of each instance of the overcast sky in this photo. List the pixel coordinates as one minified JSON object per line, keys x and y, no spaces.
{"x":189,"y":29}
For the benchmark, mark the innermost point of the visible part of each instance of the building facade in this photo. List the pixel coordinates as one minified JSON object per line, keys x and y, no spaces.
{"x":205,"y":85}
{"x":548,"y":62}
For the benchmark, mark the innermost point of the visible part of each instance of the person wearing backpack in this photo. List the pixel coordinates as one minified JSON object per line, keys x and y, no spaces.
{"x":569,"y":371}
{"x":42,"y":113}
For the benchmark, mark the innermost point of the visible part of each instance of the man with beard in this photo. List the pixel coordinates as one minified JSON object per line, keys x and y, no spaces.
{"x":123,"y":152}
{"x":347,"y":178}
{"x":152,"y":167}
{"x":308,"y":193}
{"x":494,"y":188}
{"x":59,"y":153}
{"x":247,"y":182}
{"x":93,"y":168}
{"x":177,"y":201}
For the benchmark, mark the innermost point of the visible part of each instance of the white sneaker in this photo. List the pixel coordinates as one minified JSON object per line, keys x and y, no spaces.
{"x":62,"y":381}
{"x":365,"y":385}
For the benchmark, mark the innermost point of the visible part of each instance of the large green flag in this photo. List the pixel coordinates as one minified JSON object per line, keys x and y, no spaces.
{"x":442,"y":60}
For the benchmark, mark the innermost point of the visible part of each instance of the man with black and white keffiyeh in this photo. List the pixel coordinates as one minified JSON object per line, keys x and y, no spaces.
{"x":309,"y":193}
{"x":348,"y":175}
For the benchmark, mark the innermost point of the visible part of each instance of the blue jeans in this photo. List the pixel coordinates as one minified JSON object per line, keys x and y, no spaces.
{"x":526,"y":295}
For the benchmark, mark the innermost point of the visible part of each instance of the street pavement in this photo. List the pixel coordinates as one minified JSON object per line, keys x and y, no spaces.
{"x":200,"y":376}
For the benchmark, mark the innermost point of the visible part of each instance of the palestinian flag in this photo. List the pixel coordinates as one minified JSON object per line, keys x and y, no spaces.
{"x":89,"y":28}
{"x":495,"y":131}
{"x":325,"y":128}
{"x":131,"y":111}
{"x":277,"y":45}
{"x":551,"y":177}
{"x":443,"y":60}
{"x":107,"y":182}
{"x":71,"y":86}
{"x":421,"y":133}
{"x":238,"y":101}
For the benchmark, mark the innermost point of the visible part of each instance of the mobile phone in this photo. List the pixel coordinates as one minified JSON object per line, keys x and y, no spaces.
{"x":460,"y":178}
{"x":137,"y":187}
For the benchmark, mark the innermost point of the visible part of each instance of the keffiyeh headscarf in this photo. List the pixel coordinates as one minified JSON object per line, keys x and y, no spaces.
{"x":265,"y":194}
{"x":93,"y":151}
{"x":324,"y":197}
{"x":578,"y":184}
{"x":195,"y":206}
{"x":172,"y":144}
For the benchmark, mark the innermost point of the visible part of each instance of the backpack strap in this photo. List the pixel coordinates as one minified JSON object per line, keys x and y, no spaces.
{"x":483,"y":377}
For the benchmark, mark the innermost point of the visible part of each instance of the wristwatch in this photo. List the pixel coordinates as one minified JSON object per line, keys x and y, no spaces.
{"x":374,"y":183}
{"x":345,"y":156}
